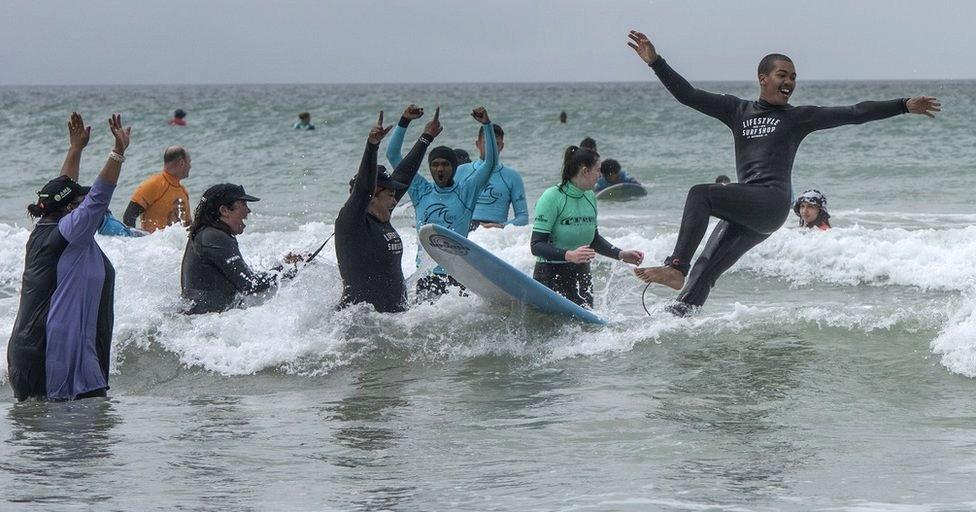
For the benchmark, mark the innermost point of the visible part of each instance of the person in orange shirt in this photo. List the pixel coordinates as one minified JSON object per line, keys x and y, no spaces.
{"x":161,"y":199}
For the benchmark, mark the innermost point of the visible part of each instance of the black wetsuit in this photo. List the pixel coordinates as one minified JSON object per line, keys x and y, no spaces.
{"x":766,"y":139}
{"x":214,"y":272}
{"x":368,"y":250}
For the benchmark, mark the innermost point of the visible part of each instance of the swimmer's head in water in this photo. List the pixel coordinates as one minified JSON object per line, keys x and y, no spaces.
{"x":499,"y":139}
{"x":305,"y":117}
{"x":777,"y":78}
{"x":811,"y":208}
{"x":588,"y":143}
{"x":443,"y":163}
{"x":179,"y":113}
{"x":610,"y":168}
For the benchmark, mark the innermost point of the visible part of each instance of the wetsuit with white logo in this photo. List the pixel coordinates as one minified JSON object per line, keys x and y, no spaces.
{"x":451,"y":206}
{"x":214,"y":274}
{"x":766,"y":140}
{"x":368,"y":250}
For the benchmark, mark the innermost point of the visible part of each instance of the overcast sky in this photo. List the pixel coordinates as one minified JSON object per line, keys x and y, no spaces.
{"x":339,"y":41}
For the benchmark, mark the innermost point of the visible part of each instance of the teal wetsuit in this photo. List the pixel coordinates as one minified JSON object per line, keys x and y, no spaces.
{"x":453,"y":206}
{"x":504,"y":188}
{"x":565,"y":219}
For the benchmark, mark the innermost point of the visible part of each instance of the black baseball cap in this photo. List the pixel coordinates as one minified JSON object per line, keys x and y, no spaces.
{"x":227,"y":192}
{"x":60,"y":191}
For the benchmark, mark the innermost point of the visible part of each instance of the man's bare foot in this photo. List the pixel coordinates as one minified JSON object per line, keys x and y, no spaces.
{"x":668,"y":276}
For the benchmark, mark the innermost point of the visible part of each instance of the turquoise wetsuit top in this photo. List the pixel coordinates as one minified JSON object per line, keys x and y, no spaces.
{"x":504,"y":188}
{"x":453,"y":206}
{"x":568,"y":215}
{"x":114,"y":227}
{"x":623,"y":177}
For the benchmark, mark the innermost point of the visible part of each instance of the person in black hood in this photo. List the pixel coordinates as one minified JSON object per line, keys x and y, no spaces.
{"x":214,"y":275}
{"x":767,"y":133}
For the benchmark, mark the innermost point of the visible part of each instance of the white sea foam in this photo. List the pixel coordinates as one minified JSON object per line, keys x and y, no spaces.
{"x":298,"y":330}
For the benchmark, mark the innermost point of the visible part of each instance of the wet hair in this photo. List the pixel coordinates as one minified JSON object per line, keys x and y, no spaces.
{"x":173,"y":154}
{"x":39,"y":209}
{"x":609,"y":166}
{"x":499,"y":133}
{"x":576,"y":157}
{"x":588,"y":143}
{"x":768,"y":62}
{"x":723,"y":179}
{"x":179,"y":113}
{"x":305,"y":115}
{"x":207,"y":212}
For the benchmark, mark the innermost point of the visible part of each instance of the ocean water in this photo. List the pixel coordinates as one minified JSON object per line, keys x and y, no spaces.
{"x":828,"y":371}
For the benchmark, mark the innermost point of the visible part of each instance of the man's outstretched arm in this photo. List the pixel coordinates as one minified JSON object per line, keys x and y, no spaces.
{"x":823,"y":118}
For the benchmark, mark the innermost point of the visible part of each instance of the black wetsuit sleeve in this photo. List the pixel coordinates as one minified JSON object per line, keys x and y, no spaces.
{"x":719,"y":106}
{"x":226,"y":255}
{"x":408,"y":167}
{"x":132,"y":212}
{"x":822,"y":118}
{"x":365,"y":183}
{"x":604,"y":247}
{"x":542,"y":248}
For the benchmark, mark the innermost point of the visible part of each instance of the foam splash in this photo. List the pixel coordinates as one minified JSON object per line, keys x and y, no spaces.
{"x":298,"y":331}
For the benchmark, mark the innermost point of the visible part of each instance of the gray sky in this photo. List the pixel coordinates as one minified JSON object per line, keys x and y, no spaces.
{"x":251,"y":41}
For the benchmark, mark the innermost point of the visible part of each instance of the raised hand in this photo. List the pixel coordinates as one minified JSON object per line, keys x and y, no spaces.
{"x":925,"y":105}
{"x":480,"y":115}
{"x":121,"y":134}
{"x":78,"y":133}
{"x":376,"y":133}
{"x":642,"y":45}
{"x":413,"y":112}
{"x":433,"y":127}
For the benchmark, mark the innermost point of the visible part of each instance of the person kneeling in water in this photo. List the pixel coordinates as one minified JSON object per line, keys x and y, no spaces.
{"x":611,"y":174}
{"x":565,"y":218}
{"x":811,"y":208}
{"x":368,"y":249}
{"x":214,"y":275}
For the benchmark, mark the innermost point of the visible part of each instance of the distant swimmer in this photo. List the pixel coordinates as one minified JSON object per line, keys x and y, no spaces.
{"x":304,"y":122}
{"x":611,"y":174}
{"x":161,"y":199}
{"x":588,"y":143}
{"x":811,"y":208}
{"x":446,"y":202}
{"x":368,"y":249}
{"x":722,"y":179}
{"x":767,"y":133}
{"x":214,"y":276}
{"x":565,"y":238}
{"x":179,"y":118}
{"x":504,"y":189}
{"x":562,"y":117}
{"x":62,"y":338}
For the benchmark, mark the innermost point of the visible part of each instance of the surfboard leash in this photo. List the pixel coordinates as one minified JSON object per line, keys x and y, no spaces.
{"x":317,"y":251}
{"x":643,"y":293}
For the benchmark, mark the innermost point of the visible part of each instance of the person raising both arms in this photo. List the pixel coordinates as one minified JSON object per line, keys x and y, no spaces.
{"x":61,"y":341}
{"x":504,"y":189}
{"x":767,"y":133}
{"x":565,"y":238}
{"x":447,"y":202}
{"x":368,"y":249}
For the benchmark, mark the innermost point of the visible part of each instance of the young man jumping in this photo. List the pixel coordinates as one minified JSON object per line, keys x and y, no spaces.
{"x":767,"y":133}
